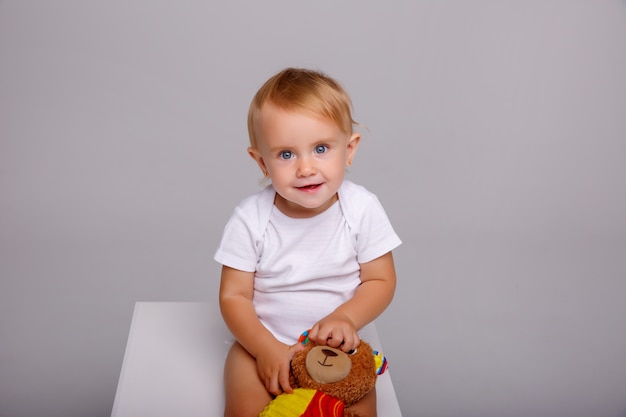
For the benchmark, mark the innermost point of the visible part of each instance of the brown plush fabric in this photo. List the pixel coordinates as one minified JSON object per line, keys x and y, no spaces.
{"x":360,"y":380}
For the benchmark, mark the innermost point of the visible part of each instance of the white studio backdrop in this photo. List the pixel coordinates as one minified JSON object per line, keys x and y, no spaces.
{"x":496,"y":139}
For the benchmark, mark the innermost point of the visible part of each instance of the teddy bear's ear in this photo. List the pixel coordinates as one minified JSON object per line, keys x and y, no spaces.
{"x":304,"y":337}
{"x":381,"y":362}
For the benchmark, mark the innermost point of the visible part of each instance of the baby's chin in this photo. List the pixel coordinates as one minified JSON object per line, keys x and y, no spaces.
{"x":304,"y":207}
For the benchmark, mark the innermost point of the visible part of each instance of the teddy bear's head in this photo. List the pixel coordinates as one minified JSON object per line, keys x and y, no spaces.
{"x":345,"y":376}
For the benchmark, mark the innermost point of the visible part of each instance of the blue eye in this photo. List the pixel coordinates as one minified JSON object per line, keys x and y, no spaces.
{"x":286,"y":155}
{"x":321,"y":149}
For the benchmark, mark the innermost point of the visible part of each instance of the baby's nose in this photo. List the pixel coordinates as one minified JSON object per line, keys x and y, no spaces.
{"x":306,"y":167}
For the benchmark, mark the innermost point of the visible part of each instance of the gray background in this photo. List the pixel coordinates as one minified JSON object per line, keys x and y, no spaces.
{"x":496,"y":141}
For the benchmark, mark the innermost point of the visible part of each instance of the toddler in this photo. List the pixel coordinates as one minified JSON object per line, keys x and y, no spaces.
{"x":310,"y":251}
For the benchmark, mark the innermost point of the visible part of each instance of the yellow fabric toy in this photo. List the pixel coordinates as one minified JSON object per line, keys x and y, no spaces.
{"x":304,"y":402}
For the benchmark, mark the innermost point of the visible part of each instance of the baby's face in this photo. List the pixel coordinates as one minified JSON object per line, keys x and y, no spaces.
{"x":305,"y":157}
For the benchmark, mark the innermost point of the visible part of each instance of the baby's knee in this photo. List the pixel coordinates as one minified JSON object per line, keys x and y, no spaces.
{"x":366,"y":407}
{"x":242,"y":409}
{"x":243,"y":404}
{"x":245,"y":394}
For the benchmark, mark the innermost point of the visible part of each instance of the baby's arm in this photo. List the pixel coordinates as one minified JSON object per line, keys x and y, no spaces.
{"x":272,"y":356}
{"x":378,"y":284}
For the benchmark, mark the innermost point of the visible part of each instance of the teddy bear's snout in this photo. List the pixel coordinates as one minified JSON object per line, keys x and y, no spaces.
{"x":327,"y":365}
{"x":327,"y":354}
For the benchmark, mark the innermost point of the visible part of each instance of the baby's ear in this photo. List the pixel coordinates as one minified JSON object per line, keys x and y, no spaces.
{"x":353,"y":145}
{"x":256,"y":155}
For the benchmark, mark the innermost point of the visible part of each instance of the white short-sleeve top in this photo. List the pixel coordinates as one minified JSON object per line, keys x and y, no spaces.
{"x":304,"y":267}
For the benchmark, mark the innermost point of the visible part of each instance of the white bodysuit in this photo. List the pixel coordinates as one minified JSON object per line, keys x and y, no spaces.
{"x":304,"y":267}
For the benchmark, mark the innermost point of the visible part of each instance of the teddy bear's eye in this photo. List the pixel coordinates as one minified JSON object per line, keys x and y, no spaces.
{"x":352,"y":352}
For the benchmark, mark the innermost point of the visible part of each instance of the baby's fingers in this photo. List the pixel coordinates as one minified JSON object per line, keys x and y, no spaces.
{"x":283,"y":378}
{"x":272,"y":385}
{"x":319,"y":336}
{"x":350,"y":342}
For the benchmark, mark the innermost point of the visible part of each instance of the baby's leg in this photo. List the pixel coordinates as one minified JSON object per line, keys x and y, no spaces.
{"x":245,"y":393}
{"x":367,"y":406}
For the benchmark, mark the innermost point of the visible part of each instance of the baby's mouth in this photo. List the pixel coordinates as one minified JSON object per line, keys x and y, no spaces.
{"x":311,"y":187}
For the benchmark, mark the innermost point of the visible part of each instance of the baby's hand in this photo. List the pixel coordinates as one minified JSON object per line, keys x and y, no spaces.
{"x":273,"y":366}
{"x":335,"y":330}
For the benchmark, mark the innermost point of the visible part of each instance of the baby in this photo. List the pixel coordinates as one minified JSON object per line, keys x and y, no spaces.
{"x":310,"y":251}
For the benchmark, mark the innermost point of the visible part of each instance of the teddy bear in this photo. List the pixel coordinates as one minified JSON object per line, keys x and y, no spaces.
{"x":327,"y":381}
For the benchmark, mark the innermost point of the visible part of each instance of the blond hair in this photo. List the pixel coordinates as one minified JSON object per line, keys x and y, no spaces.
{"x":297,"y":89}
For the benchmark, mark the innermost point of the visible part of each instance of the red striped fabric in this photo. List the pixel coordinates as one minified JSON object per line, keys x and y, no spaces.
{"x":324,"y":405}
